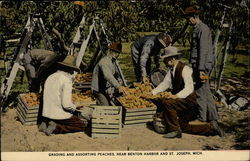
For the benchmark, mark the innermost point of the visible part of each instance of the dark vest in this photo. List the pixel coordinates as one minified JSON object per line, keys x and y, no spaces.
{"x":177,"y":80}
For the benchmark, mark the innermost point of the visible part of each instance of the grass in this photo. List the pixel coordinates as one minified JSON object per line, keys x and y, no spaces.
{"x":237,"y":65}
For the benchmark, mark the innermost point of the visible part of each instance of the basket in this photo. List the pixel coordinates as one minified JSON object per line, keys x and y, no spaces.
{"x":157,"y":76}
{"x":159,"y":123}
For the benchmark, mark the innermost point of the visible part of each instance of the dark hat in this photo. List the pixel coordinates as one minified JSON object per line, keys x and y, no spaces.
{"x":70,"y":61}
{"x":190,"y":11}
{"x":169,"y":52}
{"x":164,"y":39}
{"x":116,"y":46}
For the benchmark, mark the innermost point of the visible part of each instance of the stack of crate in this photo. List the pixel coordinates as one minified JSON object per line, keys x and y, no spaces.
{"x":106,"y":121}
{"x":26,"y":114}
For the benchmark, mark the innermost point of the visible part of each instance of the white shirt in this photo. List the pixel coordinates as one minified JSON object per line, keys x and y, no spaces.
{"x":167,"y":83}
{"x":57,"y":96}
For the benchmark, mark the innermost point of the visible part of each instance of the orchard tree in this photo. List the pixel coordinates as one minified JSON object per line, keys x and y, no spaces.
{"x":123,"y":19}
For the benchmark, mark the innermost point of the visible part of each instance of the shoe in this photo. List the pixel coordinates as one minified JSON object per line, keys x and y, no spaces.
{"x":217,"y":129}
{"x":197,"y":122}
{"x":51,"y":128}
{"x":42,"y":127}
{"x":173,"y":134}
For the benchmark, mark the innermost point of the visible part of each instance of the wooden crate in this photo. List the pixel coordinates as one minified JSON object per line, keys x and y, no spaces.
{"x":106,"y":121}
{"x":85,"y":104}
{"x":27,"y":115}
{"x":138,"y":116}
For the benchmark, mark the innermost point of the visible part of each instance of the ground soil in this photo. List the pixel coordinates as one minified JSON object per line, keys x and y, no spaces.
{"x":21,"y":138}
{"x":17,"y":137}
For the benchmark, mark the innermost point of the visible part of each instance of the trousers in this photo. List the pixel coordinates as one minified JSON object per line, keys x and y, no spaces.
{"x":73,"y":124}
{"x":207,"y":108}
{"x":179,"y":112}
{"x":102,"y":99}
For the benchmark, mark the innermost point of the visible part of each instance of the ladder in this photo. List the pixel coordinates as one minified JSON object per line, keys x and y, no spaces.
{"x":219,"y":72}
{"x":78,"y":39}
{"x":23,"y":46}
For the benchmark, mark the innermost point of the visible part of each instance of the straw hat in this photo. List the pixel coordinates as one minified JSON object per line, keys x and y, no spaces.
{"x":70,"y":61}
{"x":169,"y":52}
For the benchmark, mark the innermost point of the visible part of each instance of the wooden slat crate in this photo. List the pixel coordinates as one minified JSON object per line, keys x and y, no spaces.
{"x":106,"y":121}
{"x":138,"y":116}
{"x":85,"y":104}
{"x":26,"y":114}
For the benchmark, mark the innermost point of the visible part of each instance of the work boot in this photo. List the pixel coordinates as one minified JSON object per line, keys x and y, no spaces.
{"x":173,"y":134}
{"x":51,"y":128}
{"x":217,"y":129}
{"x":42,"y":127}
{"x":197,"y":122}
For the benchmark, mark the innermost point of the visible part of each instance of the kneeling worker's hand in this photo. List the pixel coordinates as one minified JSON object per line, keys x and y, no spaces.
{"x":122,"y":89}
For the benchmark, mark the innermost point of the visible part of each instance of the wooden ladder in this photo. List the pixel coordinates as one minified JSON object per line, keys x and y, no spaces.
{"x":24,"y":45}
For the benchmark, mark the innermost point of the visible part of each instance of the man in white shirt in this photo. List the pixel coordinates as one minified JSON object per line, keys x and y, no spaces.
{"x":181,"y":105}
{"x":58,"y":110}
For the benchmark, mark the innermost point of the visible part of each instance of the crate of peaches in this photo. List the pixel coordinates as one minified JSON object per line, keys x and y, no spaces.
{"x":83,"y":81}
{"x":137,"y":110}
{"x":83,"y":98}
{"x":27,"y":108}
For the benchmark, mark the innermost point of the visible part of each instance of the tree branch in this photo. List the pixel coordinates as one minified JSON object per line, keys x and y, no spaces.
{"x":59,"y":36}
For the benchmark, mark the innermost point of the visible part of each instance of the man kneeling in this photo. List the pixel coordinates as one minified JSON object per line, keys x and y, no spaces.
{"x":59,"y":113}
{"x":180,"y":106}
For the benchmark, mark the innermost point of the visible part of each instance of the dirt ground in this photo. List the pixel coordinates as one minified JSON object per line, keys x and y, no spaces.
{"x":17,"y":137}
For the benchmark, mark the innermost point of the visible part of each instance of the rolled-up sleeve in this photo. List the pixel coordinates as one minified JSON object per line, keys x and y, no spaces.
{"x":188,"y":83}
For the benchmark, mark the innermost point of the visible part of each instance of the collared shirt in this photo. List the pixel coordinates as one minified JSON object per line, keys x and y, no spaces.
{"x":167,"y":82}
{"x":57,"y":96}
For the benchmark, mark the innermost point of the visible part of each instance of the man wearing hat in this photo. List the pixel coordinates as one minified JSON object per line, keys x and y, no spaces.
{"x":106,"y":76}
{"x":143,"y":49}
{"x":202,"y":60}
{"x":59,"y":113}
{"x":180,"y":106}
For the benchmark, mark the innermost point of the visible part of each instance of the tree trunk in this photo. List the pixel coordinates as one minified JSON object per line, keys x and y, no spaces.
{"x":215,"y":45}
{"x":177,"y":36}
{"x":59,"y":36}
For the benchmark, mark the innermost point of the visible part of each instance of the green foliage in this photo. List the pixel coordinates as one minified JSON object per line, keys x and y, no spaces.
{"x":123,"y":19}
{"x":64,"y":16}
{"x":237,"y":10}
{"x":120,"y":18}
